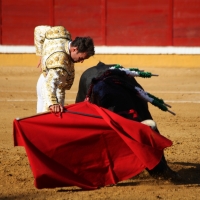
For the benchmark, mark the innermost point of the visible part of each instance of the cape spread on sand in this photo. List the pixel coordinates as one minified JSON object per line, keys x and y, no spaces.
{"x":88,"y":147}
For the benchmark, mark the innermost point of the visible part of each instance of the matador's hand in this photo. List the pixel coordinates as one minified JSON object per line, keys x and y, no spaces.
{"x":56,"y":108}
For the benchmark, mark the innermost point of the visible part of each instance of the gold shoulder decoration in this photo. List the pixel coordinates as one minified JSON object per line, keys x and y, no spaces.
{"x":58,"y":32}
{"x":58,"y":59}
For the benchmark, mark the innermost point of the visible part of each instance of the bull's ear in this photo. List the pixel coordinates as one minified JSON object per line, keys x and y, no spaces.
{"x":100,"y":63}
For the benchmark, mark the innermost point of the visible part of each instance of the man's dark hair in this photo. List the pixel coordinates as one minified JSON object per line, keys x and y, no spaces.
{"x":84,"y":44}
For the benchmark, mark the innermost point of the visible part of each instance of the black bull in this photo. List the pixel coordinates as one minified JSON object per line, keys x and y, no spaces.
{"x":162,"y":170}
{"x":140,"y":106}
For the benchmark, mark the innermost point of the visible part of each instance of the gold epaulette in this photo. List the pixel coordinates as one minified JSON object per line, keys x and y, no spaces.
{"x":58,"y":32}
{"x":58,"y":59}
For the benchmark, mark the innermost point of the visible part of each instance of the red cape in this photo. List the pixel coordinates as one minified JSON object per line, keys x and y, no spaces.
{"x":88,"y":151}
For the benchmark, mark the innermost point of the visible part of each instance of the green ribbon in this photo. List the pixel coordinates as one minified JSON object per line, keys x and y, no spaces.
{"x":134,"y":69}
{"x":140,"y":73}
{"x":159,"y":105}
{"x":156,"y":98}
{"x":158,"y":102}
{"x":118,"y":66}
{"x":144,"y":74}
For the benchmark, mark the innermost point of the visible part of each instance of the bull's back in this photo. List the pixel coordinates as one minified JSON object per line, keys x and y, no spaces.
{"x":87,"y":77}
{"x":98,"y":70}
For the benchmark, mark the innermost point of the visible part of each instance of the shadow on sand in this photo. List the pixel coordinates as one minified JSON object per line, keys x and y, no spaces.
{"x":189,"y":172}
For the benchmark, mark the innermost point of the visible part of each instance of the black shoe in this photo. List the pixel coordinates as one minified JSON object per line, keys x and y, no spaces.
{"x":163,"y":171}
{"x":167,"y":174}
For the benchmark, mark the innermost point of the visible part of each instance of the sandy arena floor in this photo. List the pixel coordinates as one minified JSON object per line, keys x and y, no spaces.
{"x":180,"y":88}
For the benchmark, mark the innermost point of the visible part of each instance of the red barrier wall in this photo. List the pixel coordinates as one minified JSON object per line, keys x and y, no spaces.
{"x":109,"y":22}
{"x":186,"y":23}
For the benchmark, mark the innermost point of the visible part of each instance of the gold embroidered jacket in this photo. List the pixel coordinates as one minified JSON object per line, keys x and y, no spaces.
{"x":52,"y":44}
